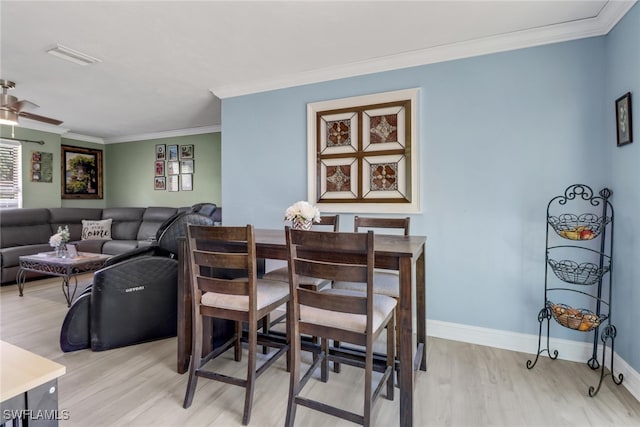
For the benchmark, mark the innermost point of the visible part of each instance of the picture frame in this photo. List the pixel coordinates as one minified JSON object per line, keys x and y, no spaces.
{"x":72,"y":250}
{"x":161,"y":151}
{"x":172,"y":183}
{"x":172,"y":152}
{"x":159,"y":183}
{"x":186,"y":182}
{"x":159,"y":167}
{"x":81,"y":173}
{"x":362,"y":153}
{"x":173,"y":167}
{"x":186,"y":152}
{"x":186,"y":166}
{"x":624,"y":129}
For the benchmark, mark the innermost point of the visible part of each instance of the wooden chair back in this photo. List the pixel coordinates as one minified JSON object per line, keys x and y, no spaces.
{"x":390,"y":223}
{"x":215,"y":249}
{"x":330,"y":220}
{"x":331,"y":256}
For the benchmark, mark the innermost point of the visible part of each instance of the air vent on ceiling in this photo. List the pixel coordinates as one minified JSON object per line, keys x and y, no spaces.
{"x":72,"y":55}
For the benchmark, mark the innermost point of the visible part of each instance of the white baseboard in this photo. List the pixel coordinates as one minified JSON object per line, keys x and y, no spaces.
{"x":526,"y":343}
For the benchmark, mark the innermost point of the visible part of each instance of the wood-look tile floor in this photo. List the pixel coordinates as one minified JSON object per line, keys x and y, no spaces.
{"x":466,"y":385}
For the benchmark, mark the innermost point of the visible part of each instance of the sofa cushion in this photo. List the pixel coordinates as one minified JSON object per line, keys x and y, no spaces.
{"x":24,"y":227}
{"x":11,"y":256}
{"x":115,"y":247}
{"x":96,"y":230}
{"x":126,"y":222}
{"x":72,"y":217}
{"x":152,"y":219}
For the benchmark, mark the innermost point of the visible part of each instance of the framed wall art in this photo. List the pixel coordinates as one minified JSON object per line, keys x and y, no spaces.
{"x":41,"y":166}
{"x":186,"y":166}
{"x":363,"y":153}
{"x":172,"y":152}
{"x":159,"y":183}
{"x":159,"y":168}
{"x":172,"y":183}
{"x":161,"y":151}
{"x":186,"y":152}
{"x":81,"y":173}
{"x":173,"y":167}
{"x":624,"y":130}
{"x":186,"y":182}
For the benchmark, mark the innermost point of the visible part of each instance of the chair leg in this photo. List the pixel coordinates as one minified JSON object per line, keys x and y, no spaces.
{"x":237,"y":348}
{"x":324,"y":367}
{"x":391,"y":358}
{"x":196,"y":355}
{"x":251,"y":372}
{"x":294,"y":376}
{"x":266,"y":321}
{"x":368,"y":374}
{"x":336,"y":365}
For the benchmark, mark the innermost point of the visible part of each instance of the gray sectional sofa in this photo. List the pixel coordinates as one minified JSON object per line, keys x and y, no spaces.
{"x":27,"y":231}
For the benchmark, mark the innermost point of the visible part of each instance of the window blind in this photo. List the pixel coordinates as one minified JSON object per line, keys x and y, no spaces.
{"x":10,"y":174}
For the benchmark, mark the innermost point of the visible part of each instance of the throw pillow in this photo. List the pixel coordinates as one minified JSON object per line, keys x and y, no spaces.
{"x":96,"y":230}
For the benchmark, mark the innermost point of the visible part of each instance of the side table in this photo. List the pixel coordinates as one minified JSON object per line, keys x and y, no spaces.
{"x":49,"y":264}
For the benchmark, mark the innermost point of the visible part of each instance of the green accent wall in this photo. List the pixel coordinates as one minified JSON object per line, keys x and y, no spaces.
{"x":128,"y":171}
{"x":131,"y":171}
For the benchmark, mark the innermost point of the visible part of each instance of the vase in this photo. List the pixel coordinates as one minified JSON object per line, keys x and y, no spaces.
{"x":61,"y":251}
{"x":301,"y":224}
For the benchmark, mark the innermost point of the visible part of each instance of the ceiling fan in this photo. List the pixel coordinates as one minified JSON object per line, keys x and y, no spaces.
{"x":11,"y":108}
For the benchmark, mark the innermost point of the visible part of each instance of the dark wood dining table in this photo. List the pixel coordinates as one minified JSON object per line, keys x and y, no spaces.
{"x":405,"y":254}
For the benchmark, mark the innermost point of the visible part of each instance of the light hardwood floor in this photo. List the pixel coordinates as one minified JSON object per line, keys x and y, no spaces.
{"x":466,"y":385}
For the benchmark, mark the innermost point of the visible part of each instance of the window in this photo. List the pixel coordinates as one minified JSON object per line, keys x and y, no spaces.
{"x":10,"y":174}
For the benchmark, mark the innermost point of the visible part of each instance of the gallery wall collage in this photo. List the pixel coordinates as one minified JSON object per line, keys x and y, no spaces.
{"x":173,"y":168}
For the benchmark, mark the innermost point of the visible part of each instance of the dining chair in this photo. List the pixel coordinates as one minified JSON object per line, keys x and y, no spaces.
{"x":335,"y":314}
{"x":327,"y":222}
{"x":212,"y":250}
{"x":386,"y":282}
{"x":315,"y":283}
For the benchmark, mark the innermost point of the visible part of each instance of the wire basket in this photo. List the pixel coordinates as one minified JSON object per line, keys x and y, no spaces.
{"x":579,"y":319}
{"x":569,"y":271}
{"x":578,"y":227}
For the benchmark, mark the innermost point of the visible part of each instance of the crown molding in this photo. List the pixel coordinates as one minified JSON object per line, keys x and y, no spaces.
{"x":608,"y":17}
{"x":164,"y":134}
{"x":43,"y":127}
{"x":86,"y":138}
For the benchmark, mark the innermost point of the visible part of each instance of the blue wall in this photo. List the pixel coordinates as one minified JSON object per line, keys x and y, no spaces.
{"x":623,"y":75}
{"x":499,"y":136}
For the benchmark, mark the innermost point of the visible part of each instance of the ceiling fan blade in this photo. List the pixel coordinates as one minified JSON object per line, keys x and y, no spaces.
{"x":23,"y":104}
{"x":39,"y":118}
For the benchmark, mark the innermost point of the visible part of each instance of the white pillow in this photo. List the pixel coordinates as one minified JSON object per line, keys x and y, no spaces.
{"x":96,"y":230}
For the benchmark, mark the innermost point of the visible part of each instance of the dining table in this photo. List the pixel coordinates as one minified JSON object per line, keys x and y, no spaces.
{"x":405,"y":254}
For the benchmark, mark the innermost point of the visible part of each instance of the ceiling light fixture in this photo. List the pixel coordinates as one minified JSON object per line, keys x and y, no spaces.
{"x":8,"y":117}
{"x":72,"y":55}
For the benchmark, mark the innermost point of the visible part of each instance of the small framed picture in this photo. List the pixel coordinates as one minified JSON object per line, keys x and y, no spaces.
{"x":172,"y":184}
{"x":624,"y":131}
{"x":159,"y":183}
{"x":172,"y":152}
{"x":72,"y":250}
{"x":186,"y":166}
{"x":186,"y":152}
{"x":159,"y":168}
{"x":35,"y":156}
{"x":173,"y":167}
{"x":160,"y":151}
{"x":186,"y":182}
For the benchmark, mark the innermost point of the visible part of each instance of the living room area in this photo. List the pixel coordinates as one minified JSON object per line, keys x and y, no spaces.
{"x":500,"y":125}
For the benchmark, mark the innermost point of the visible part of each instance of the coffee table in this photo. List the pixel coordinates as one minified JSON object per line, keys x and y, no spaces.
{"x":48,"y":263}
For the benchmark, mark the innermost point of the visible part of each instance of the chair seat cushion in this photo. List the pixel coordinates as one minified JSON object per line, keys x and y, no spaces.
{"x":267,"y":293}
{"x":282,"y":274}
{"x":382,"y":307}
{"x":385,"y":282}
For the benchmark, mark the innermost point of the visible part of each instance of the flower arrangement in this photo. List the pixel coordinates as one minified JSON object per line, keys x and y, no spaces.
{"x":60,"y":238}
{"x":302,"y":214}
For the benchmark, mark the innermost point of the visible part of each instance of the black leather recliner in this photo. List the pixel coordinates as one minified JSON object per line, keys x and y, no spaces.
{"x":133,"y":299}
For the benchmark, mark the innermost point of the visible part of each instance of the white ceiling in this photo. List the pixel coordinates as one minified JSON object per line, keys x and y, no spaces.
{"x":163,"y":61}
